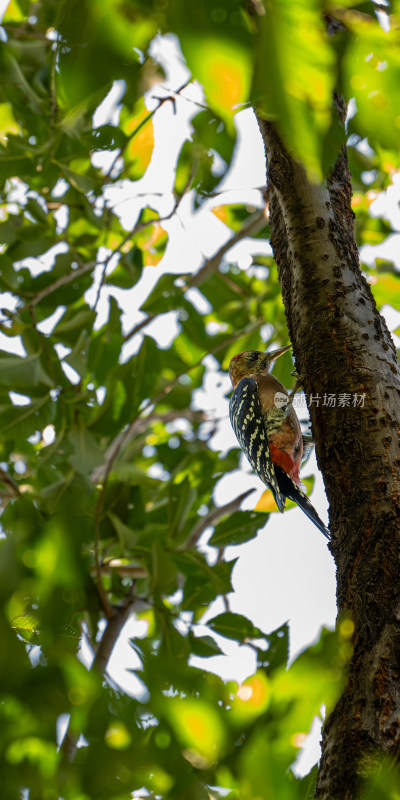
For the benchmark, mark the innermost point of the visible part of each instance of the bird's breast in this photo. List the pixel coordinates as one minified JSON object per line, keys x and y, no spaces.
{"x":283,"y":430}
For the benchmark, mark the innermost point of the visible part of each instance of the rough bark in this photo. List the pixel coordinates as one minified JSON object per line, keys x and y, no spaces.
{"x":342,"y":345}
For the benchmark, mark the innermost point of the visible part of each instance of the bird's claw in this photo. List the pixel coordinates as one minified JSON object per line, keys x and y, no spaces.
{"x":299,"y":381}
{"x":298,"y":375}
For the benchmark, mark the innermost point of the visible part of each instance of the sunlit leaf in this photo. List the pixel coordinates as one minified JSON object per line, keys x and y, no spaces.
{"x":198,"y":726}
{"x":152,"y":239}
{"x":252,"y":698}
{"x":372,"y":69}
{"x":138,"y":127}
{"x":13,"y":12}
{"x":27,"y":626}
{"x":294,"y":49}
{"x":386,"y":289}
{"x":266,"y":502}
{"x":216,"y":45}
{"x":8,"y":124}
{"x":223,"y":68}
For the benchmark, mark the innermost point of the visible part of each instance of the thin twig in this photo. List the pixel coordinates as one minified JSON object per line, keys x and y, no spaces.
{"x":161,"y":101}
{"x":225,"y":599}
{"x":108,"y":640}
{"x":139,"y":326}
{"x":61,"y":282}
{"x":9,"y":481}
{"x":97,"y":517}
{"x":74,"y":274}
{"x":212,"y":518}
{"x":110,"y":636}
{"x":140,"y":426}
{"x":138,"y":228}
{"x":133,"y":571}
{"x":254,"y":224}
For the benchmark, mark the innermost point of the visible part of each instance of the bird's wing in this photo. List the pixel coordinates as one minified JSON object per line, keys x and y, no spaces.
{"x":247,"y":422}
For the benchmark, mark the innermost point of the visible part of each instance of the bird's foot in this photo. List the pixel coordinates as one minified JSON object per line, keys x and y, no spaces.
{"x":299,"y":377}
{"x":298,"y":384}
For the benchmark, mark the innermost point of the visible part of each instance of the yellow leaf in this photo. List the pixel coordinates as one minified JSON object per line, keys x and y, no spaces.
{"x":140,"y":148}
{"x":266,"y":502}
{"x":221,"y":213}
{"x":13,"y":13}
{"x":152,"y":241}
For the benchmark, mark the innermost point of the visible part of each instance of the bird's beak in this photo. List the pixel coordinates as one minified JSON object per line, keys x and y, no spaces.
{"x":274,"y":354}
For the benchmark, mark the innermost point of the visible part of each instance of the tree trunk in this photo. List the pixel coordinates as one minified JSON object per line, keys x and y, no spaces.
{"x":342,"y":346}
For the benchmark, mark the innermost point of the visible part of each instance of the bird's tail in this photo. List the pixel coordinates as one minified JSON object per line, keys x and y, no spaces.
{"x":288,"y":488}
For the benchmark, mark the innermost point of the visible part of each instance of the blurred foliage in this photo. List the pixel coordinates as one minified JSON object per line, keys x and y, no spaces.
{"x":107,"y":468}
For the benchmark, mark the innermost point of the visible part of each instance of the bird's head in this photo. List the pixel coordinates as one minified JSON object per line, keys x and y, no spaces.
{"x":253,"y":362}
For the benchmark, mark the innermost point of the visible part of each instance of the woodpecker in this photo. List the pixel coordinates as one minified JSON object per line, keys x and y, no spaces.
{"x":268,"y":430}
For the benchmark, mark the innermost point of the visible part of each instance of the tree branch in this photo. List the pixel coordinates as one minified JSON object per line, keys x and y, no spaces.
{"x":161,"y":101}
{"x":254,"y":224}
{"x":212,"y":518}
{"x":140,"y":226}
{"x":63,"y":281}
{"x":107,"y":642}
{"x":6,"y":478}
{"x":133,"y":571}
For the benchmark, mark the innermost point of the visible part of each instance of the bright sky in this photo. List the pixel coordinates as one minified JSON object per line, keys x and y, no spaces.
{"x":287,"y":572}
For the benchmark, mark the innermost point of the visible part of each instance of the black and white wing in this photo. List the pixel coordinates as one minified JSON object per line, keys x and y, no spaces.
{"x":247,"y":422}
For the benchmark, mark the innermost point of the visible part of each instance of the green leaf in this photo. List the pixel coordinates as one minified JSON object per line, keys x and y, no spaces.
{"x":27,"y":627}
{"x":145,"y":368}
{"x":126,"y":535}
{"x":386,"y":289}
{"x":23,"y":421}
{"x":277,"y":654}
{"x":73,"y":323}
{"x":204,"y":646}
{"x":36,"y":210}
{"x":19,"y":373}
{"x":235,"y":626}
{"x":181,"y":499}
{"x":372,"y":73}
{"x":83,"y":183}
{"x":294,"y":51}
{"x":239,"y":527}
{"x":218,"y":49}
{"x":86,"y":454}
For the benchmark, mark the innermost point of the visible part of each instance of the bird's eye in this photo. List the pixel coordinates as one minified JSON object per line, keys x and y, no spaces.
{"x":252,"y":356}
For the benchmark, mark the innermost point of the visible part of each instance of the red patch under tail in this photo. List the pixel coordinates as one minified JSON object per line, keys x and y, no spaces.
{"x":285,"y":461}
